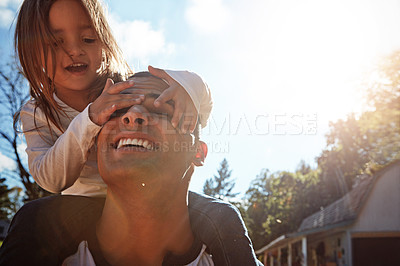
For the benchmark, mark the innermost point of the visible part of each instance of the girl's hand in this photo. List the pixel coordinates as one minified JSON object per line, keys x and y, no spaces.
{"x":111,"y":99}
{"x":185,"y":113}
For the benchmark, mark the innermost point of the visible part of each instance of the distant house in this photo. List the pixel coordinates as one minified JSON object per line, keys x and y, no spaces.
{"x":361,"y":228}
{"x":4,"y":224}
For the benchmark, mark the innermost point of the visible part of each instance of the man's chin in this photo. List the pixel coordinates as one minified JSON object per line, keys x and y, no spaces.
{"x":132,"y":166}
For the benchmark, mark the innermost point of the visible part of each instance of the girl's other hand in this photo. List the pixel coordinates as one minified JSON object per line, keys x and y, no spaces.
{"x":111,"y":99}
{"x":185,"y":113}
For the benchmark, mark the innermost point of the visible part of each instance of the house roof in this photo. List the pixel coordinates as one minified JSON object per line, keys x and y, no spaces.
{"x":278,"y":240}
{"x":340,"y":213}
{"x":345,"y":209}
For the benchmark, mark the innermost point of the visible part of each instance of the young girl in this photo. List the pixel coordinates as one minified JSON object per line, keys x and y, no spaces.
{"x":77,"y":53}
{"x":68,"y":55}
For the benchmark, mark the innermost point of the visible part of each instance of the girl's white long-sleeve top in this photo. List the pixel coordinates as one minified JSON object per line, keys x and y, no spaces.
{"x":66,"y":161}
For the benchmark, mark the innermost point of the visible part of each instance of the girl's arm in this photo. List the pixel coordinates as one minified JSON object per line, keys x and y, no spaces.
{"x":56,"y":159}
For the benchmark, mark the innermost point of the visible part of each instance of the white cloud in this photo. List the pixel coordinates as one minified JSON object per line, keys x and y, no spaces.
{"x":207,"y":16}
{"x":3,"y":3}
{"x":139,"y":41}
{"x":6,"y":163}
{"x":8,"y":10}
{"x":6,"y":17}
{"x":22,"y":153}
{"x":10,"y":3}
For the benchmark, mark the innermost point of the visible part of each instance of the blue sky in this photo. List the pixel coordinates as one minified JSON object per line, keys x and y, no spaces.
{"x":279,"y":71}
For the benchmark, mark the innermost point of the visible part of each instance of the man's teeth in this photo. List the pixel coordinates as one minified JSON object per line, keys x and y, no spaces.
{"x":136,"y":142}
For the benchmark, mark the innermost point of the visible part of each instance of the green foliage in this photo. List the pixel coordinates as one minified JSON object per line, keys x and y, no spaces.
{"x":9,"y":200}
{"x":366,"y":143}
{"x":257,"y":212}
{"x":278,"y":202}
{"x":5,"y":201}
{"x":221,"y":185}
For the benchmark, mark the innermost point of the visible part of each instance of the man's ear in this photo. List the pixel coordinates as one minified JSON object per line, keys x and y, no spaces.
{"x":201,"y":154}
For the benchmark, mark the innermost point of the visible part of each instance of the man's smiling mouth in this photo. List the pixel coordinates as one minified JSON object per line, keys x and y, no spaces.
{"x":135,"y":142}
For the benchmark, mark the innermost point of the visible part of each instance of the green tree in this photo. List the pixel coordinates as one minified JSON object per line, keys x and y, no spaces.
{"x":5,"y":202}
{"x":278,"y":202}
{"x":257,"y":212}
{"x":220,"y":186}
{"x":365,"y":143}
{"x":9,"y":200}
{"x":381,"y":123}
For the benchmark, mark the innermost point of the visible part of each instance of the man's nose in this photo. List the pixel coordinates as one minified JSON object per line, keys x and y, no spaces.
{"x":136,"y":116}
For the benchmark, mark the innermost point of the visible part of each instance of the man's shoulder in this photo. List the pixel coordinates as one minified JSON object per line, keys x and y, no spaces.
{"x":206,"y":209}
{"x":220,"y":227}
{"x":205,"y":202}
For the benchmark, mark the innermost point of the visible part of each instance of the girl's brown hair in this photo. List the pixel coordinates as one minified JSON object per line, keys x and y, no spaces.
{"x":33,"y":40}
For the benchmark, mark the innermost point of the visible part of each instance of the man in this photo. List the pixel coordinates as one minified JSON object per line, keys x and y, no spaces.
{"x":149,"y":218}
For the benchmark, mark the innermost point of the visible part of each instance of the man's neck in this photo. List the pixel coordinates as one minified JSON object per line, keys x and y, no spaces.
{"x":140,"y":228}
